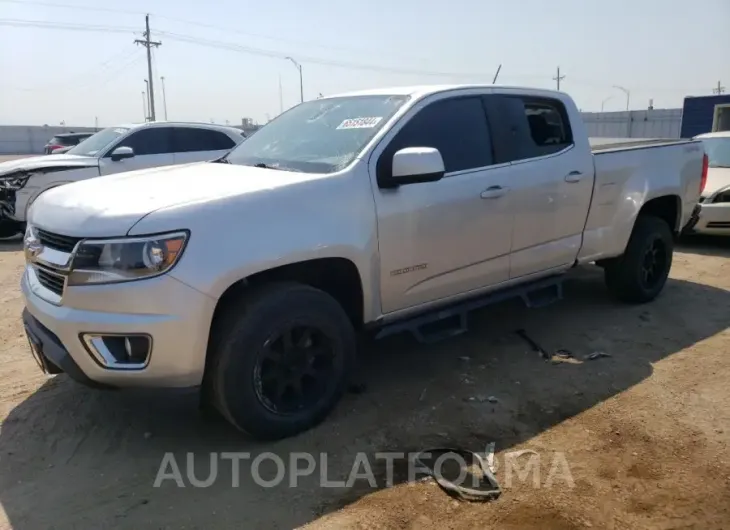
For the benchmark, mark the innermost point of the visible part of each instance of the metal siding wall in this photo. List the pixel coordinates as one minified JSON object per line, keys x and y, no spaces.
{"x":658,"y":123}
{"x":30,"y":139}
{"x":698,"y":114}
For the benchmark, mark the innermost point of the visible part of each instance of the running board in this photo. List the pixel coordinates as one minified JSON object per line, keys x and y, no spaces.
{"x":452,"y":321}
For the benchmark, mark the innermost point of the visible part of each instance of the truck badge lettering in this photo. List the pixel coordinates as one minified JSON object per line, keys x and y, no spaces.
{"x":412,"y":268}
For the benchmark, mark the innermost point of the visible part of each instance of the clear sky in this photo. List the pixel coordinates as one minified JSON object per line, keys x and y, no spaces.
{"x":660,"y":49}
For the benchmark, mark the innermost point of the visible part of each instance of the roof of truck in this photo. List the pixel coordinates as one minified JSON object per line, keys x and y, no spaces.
{"x":425,"y":90}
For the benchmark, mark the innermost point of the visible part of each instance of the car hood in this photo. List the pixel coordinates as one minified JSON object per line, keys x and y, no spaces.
{"x":717,"y":178}
{"x":112,"y":205}
{"x":56,"y":162}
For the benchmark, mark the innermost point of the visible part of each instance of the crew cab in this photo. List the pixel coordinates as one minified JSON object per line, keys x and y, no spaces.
{"x":251,"y":275}
{"x":112,"y":150}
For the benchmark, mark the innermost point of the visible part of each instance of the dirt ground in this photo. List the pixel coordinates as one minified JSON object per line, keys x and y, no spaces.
{"x":644,"y":432}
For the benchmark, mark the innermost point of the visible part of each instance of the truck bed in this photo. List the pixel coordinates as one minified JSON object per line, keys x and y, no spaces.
{"x":599,"y":145}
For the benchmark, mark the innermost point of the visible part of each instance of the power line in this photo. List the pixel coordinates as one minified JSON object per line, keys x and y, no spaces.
{"x":283,"y":55}
{"x":207,"y":26}
{"x":64,"y":25}
{"x":69,"y":6}
{"x":100,"y":67}
{"x":314,"y":60}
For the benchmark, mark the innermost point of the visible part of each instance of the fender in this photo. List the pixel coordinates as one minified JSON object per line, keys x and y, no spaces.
{"x":42,"y":181}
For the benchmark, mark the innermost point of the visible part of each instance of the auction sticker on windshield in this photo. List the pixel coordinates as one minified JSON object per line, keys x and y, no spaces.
{"x":360,"y":123}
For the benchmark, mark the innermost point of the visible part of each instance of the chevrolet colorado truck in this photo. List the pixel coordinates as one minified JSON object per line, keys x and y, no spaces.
{"x":250,"y":275}
{"x":109,"y":151}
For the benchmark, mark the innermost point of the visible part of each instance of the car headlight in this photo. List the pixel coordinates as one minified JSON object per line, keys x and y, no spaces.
{"x":125,"y":259}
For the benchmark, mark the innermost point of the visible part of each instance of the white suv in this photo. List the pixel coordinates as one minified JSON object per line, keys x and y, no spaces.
{"x":112,"y":150}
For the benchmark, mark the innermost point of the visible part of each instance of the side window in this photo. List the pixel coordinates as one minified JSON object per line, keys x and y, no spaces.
{"x":190,"y":139}
{"x":149,"y":141}
{"x":539,"y":126}
{"x":456,"y":127}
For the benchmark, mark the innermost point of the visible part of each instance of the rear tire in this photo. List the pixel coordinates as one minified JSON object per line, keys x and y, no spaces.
{"x":283,"y":360}
{"x":640,"y":274}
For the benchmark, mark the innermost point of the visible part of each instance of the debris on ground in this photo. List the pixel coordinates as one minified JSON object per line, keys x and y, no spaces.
{"x":477,"y":484}
{"x":596,"y":355}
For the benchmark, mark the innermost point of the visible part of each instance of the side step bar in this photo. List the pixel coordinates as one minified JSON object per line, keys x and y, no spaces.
{"x":451,"y":321}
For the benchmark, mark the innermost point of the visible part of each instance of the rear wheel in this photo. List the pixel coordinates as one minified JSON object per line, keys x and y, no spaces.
{"x":283,"y":360}
{"x":641,"y":273}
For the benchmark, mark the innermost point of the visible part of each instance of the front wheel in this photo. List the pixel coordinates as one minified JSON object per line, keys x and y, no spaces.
{"x":283,"y":361}
{"x":640,"y":274}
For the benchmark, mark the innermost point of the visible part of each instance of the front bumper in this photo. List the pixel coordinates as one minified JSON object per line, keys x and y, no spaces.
{"x":711,"y":218}
{"x":174,"y":315}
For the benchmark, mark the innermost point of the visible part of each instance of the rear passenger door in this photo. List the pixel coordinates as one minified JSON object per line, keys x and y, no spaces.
{"x":551,"y":180}
{"x":196,"y":144}
{"x":450,"y":237}
{"x":152,"y":147}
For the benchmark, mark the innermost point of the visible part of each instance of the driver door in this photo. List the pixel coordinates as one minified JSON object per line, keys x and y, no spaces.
{"x":152,"y":146}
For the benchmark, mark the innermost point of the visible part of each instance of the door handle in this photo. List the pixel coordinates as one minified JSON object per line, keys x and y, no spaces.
{"x":574,"y":176}
{"x":493,"y":192}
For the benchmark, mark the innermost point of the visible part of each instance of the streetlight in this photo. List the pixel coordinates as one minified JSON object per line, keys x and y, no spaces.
{"x":144,"y":105}
{"x":604,"y":102}
{"x":625,"y":91}
{"x":149,"y":114}
{"x":164,"y":97}
{"x":301,"y":82}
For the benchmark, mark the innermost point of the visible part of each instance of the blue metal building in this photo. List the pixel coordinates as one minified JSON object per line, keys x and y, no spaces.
{"x":701,"y":113}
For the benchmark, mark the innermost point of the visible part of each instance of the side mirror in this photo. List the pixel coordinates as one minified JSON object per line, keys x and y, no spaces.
{"x":120,"y":153}
{"x":417,"y":164}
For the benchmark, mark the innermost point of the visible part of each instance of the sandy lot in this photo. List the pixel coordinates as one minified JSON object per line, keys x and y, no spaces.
{"x":645,"y":432}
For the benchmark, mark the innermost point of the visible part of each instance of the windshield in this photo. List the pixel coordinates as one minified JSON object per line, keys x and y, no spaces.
{"x":320,"y":136}
{"x":95,"y":143}
{"x":718,"y":151}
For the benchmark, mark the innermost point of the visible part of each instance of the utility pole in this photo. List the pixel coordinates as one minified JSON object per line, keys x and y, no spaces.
{"x":558,"y":78}
{"x":149,"y":44}
{"x":719,"y":90}
{"x":144,"y":105}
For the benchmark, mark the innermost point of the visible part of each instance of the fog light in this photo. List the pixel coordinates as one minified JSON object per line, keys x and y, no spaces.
{"x":119,"y":352}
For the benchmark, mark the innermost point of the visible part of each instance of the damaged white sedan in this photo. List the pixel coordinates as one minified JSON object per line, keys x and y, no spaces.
{"x":112,"y":150}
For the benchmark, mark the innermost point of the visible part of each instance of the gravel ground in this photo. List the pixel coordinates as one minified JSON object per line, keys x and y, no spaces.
{"x":644,"y":432}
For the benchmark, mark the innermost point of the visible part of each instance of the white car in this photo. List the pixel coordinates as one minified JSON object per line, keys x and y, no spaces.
{"x":714,"y":212}
{"x":112,"y":150}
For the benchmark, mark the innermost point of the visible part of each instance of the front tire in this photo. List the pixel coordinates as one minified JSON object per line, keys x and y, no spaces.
{"x":640,"y":274}
{"x":283,"y":361}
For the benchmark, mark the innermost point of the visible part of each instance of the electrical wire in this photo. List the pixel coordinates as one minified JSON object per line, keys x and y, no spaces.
{"x":313,"y":60}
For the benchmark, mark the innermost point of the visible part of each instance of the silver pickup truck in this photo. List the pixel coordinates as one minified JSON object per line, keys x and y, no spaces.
{"x":388,"y":209}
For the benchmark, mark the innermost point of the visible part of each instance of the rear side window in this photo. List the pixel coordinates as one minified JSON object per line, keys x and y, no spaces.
{"x":190,"y":139}
{"x":149,"y":141}
{"x":456,"y":127}
{"x":537,"y":126}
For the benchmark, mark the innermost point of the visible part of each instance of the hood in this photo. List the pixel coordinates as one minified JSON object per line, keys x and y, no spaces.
{"x":717,"y":178}
{"x":110,"y":206}
{"x":47,"y":162}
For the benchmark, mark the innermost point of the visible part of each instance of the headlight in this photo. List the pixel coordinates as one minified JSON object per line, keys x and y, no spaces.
{"x":125,"y":259}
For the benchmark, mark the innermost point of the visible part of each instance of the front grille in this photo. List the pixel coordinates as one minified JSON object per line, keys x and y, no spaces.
{"x":57,"y":241}
{"x":50,"y":279}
